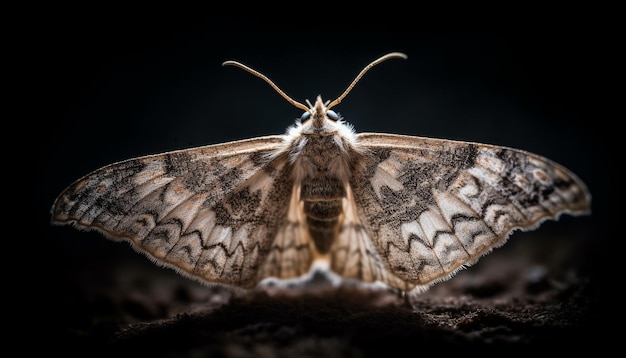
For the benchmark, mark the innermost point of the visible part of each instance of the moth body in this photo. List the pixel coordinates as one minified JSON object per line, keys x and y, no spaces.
{"x":322,"y":152}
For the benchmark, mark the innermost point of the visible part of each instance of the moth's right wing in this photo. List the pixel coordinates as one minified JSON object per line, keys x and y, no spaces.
{"x":419,"y":209}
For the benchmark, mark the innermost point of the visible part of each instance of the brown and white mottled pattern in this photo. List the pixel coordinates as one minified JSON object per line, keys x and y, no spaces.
{"x":404,"y":211}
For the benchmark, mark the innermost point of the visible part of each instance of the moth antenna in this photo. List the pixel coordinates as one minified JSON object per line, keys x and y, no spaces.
{"x":266,"y":79}
{"x":363,"y":71}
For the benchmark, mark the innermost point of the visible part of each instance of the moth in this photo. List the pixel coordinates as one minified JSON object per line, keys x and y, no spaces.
{"x":402,"y":211}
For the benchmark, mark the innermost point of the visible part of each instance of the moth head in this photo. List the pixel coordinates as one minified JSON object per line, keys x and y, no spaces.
{"x":318,"y":114}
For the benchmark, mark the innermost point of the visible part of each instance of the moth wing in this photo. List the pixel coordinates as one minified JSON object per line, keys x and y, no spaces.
{"x":292,"y":252}
{"x":355,"y":254}
{"x":425,"y":207}
{"x":214,"y":213}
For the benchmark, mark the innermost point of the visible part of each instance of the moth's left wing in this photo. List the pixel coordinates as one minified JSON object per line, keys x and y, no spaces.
{"x":219,"y":213}
{"x":420,"y":209}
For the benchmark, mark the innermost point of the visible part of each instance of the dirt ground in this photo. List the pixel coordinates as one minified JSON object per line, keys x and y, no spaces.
{"x":537,"y":292}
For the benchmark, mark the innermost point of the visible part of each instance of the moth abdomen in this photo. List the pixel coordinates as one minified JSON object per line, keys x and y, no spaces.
{"x":323,"y":209}
{"x":322,"y":204}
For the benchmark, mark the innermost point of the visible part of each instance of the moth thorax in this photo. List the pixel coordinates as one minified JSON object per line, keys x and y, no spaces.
{"x":323,"y":205}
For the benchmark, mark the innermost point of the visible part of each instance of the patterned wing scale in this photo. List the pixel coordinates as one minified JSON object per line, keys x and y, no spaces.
{"x":355,"y":255}
{"x":432,"y":206}
{"x":210,"y":212}
{"x":291,"y":254}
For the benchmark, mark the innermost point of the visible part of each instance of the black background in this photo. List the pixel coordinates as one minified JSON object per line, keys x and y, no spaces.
{"x":108,"y":88}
